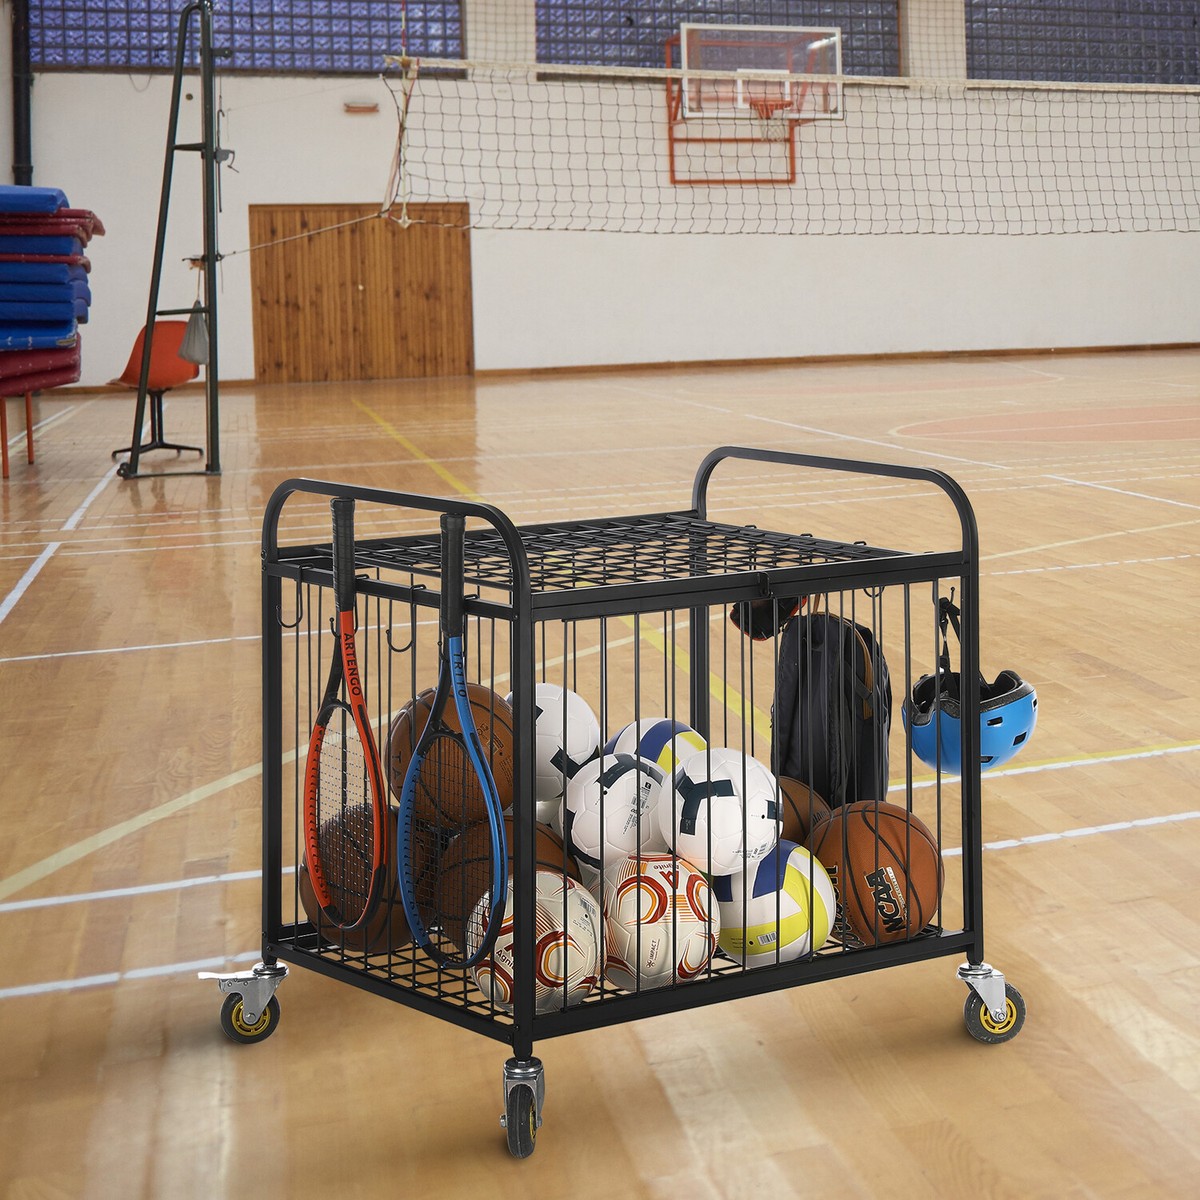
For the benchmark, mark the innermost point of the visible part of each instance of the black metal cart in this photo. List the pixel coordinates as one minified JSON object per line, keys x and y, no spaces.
{"x":630,"y":611}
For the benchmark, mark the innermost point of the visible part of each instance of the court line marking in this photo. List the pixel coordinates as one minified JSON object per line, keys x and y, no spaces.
{"x":111,"y":977}
{"x":189,"y":798}
{"x":1103,"y":487}
{"x":850,"y":437}
{"x":44,"y":423}
{"x":432,"y":463}
{"x":222,"y":963}
{"x":1079,"y":541}
{"x":105,"y":837}
{"x":257,"y":637}
{"x":77,"y":516}
{"x":13,"y":598}
{"x":22,"y":586}
{"x":1035,"y":839}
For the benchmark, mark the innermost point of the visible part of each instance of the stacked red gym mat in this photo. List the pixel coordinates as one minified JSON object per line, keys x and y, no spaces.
{"x":44,"y":293}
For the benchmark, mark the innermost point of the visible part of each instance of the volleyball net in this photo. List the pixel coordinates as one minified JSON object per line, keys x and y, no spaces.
{"x":770,"y":137}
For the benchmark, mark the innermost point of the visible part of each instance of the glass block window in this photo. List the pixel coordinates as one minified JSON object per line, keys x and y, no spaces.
{"x":262,"y":36}
{"x":632,"y":33}
{"x":1085,"y":41}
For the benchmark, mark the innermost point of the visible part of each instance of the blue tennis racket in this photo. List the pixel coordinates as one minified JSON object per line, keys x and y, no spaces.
{"x":454,"y":899}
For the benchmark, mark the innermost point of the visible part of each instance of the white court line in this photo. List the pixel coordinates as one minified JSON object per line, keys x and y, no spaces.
{"x":1103,"y":487}
{"x":255,"y":637}
{"x":245,"y":637}
{"x":77,"y":516}
{"x":141,"y":889}
{"x":1093,"y":565}
{"x":1036,"y":839}
{"x":44,"y":423}
{"x":216,"y":964}
{"x":10,"y":601}
{"x":91,"y":981}
{"x":849,"y":437}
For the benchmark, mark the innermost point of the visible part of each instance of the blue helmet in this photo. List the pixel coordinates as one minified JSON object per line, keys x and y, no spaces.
{"x":1007,"y":716}
{"x":931,"y":714}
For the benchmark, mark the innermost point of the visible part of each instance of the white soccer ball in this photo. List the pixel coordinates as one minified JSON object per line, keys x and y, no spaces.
{"x":721,"y":812}
{"x":566,"y":735}
{"x":610,"y":810}
{"x":566,"y":963}
{"x":780,"y":911}
{"x":662,"y":922}
{"x":661,"y":740}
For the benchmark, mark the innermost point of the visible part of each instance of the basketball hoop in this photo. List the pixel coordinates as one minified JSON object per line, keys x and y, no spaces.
{"x":772,"y":117}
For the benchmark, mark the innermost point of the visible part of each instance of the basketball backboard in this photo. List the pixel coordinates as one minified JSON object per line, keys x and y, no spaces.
{"x":753,"y":53}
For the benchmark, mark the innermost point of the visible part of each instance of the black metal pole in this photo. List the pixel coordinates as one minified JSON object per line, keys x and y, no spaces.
{"x":130,"y":468}
{"x":211,"y":255}
{"x":22,"y":76}
{"x":207,"y":149}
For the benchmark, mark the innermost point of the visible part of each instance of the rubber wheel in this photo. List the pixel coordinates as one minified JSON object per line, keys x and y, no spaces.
{"x":984,"y":1027}
{"x":237,"y":1029}
{"x":520,"y":1120}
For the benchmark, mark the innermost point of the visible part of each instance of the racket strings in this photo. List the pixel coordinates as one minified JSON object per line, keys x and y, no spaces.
{"x":345,"y":817}
{"x":455,"y":890}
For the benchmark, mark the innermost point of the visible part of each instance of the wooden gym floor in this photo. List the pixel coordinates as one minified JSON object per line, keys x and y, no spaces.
{"x":129,"y":653}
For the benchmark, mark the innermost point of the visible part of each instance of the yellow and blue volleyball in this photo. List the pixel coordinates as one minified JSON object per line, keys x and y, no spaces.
{"x":659,"y":740}
{"x":780,"y":911}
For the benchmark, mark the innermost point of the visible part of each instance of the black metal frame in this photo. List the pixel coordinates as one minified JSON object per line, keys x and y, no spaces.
{"x":678,"y":560}
{"x":211,"y":157}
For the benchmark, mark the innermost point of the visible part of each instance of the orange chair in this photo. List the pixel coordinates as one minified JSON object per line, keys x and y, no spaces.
{"x":167,"y":370}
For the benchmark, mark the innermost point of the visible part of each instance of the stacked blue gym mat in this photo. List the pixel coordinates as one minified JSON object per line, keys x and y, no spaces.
{"x":44,"y":293}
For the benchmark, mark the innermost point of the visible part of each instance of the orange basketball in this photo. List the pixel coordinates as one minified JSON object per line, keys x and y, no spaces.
{"x":463,"y":875}
{"x":388,"y":929}
{"x":803,"y":809}
{"x":886,"y":867}
{"x":494,"y":721}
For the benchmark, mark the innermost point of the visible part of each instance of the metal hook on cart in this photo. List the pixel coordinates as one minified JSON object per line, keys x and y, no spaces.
{"x":412,"y":626}
{"x":333,"y":619}
{"x":299,"y":606}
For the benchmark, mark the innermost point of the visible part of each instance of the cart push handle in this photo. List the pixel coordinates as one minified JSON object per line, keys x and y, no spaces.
{"x":939,"y":479}
{"x":459,"y":507}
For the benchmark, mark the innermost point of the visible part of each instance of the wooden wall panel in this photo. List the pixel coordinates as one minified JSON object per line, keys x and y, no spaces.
{"x":338,"y":298}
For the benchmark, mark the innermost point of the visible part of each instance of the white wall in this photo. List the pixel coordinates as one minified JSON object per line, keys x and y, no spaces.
{"x":555,"y":299}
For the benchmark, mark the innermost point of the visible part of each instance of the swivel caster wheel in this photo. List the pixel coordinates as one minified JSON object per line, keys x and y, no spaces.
{"x":985,"y":1026}
{"x":520,"y":1120}
{"x":524,"y":1097}
{"x":238,"y":1029}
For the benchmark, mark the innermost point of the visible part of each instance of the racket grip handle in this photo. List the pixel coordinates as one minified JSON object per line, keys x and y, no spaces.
{"x":343,"y":552}
{"x":453,"y":530}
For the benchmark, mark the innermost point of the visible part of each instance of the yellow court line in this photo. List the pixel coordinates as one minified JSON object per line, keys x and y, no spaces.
{"x":70,"y":854}
{"x":730,"y":697}
{"x":432,"y":463}
{"x":719,"y":687}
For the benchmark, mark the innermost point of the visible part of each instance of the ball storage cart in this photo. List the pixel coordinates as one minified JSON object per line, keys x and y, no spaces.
{"x":632,"y":614}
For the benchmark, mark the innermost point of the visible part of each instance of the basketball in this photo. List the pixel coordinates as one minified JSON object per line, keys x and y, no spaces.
{"x":803,"y":809}
{"x":388,"y":929}
{"x":494,"y":720}
{"x":886,"y":867}
{"x":463,"y":868}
